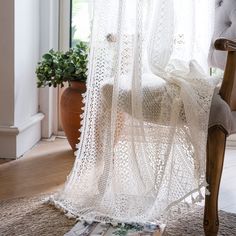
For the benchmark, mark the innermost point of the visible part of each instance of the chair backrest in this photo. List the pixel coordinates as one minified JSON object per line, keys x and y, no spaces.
{"x":225,"y":27}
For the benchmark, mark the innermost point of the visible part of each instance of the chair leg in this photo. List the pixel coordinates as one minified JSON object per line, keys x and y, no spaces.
{"x":215,"y":160}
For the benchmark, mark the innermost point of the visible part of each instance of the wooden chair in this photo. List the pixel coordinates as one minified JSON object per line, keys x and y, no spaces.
{"x":217,"y":135}
{"x":223,"y":112}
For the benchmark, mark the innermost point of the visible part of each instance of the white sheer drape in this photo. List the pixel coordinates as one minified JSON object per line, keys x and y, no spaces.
{"x":142,"y":149}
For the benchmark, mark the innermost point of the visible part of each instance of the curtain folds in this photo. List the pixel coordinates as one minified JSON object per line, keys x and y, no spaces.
{"x":143,"y":143}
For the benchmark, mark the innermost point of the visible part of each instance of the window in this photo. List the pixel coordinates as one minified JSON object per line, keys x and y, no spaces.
{"x":74,"y":26}
{"x":79,"y":22}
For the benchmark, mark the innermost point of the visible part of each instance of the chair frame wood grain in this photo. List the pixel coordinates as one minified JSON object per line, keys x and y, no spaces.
{"x":217,"y":140}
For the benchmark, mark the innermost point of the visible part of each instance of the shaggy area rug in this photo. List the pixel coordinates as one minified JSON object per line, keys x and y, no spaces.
{"x":29,"y":217}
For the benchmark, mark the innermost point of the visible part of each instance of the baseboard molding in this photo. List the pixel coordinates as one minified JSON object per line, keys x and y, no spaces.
{"x":16,"y":140}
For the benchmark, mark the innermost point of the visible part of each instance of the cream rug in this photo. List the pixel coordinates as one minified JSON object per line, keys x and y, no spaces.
{"x":29,"y":217}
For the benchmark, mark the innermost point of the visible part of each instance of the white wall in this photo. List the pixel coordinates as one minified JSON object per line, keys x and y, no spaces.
{"x":26,"y":58}
{"x":6,"y":59}
{"x":20,"y":121}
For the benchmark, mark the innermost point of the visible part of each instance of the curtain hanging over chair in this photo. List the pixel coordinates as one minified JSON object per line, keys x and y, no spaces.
{"x":143,"y":144}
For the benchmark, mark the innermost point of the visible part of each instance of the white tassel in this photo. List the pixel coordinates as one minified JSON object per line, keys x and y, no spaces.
{"x":69,"y":215}
{"x":114,"y":223}
{"x":207,"y":192}
{"x":46,"y":200}
{"x":88,"y":222}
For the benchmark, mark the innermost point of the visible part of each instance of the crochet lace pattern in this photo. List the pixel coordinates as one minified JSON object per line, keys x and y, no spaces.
{"x":143,"y":144}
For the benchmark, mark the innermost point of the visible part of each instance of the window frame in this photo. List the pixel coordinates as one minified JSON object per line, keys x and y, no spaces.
{"x":63,"y":45}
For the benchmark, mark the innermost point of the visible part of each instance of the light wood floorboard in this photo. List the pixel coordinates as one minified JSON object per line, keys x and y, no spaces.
{"x":42,"y":169}
{"x":45,"y":167}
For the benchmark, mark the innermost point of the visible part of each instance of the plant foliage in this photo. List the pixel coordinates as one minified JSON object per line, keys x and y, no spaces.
{"x":56,"y":68}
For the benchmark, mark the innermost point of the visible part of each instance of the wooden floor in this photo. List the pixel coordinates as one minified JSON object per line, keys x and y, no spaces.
{"x":42,"y":169}
{"x":45,"y":167}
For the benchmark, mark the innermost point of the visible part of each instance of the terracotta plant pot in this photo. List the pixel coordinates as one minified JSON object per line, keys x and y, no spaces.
{"x":71,"y":104}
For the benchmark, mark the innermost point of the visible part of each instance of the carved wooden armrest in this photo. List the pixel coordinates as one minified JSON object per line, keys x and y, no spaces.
{"x":223,"y":44}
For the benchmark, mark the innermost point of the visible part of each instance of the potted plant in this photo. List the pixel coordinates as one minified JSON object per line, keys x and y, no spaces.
{"x":56,"y":69}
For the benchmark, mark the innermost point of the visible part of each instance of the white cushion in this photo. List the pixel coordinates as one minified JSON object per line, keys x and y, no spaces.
{"x":225,"y":27}
{"x":221,"y":114}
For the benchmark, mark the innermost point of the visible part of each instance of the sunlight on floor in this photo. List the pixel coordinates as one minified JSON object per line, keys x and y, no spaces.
{"x":227,"y":197}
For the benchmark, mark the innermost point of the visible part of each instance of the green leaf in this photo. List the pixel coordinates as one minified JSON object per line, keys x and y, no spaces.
{"x":47,"y":56}
{"x":57,"y":67}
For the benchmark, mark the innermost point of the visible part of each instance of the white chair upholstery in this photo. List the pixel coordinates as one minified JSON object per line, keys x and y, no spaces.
{"x":222,"y":115}
{"x":225,"y":27}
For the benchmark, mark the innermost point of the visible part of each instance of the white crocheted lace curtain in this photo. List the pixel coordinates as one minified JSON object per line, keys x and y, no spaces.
{"x":143,"y":144}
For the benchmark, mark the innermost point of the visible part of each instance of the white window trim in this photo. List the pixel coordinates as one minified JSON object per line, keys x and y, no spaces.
{"x":49,"y":38}
{"x":55,"y":33}
{"x":64,"y":45}
{"x":64,"y":25}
